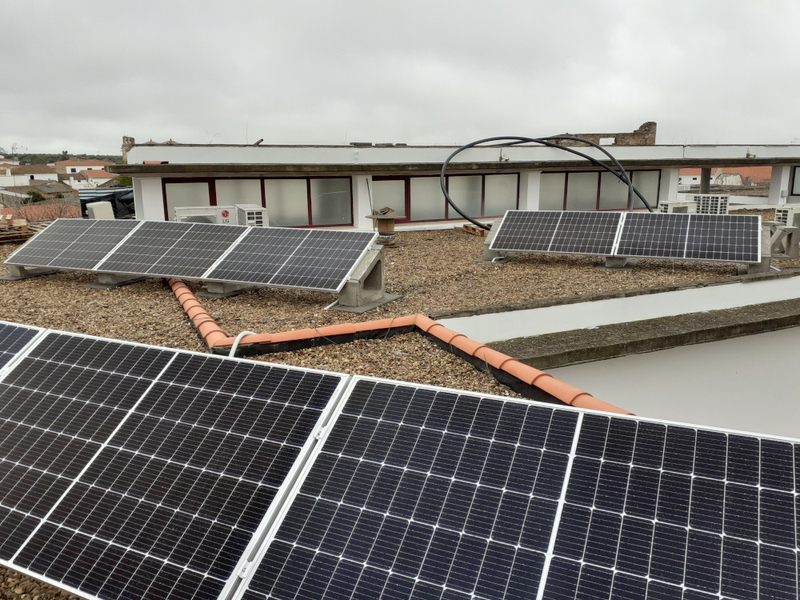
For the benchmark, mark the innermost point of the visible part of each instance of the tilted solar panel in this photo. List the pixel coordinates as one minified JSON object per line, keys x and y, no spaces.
{"x":171,"y":249}
{"x":72,"y":243}
{"x":724,"y":237}
{"x":581,"y":232}
{"x":733,"y":238}
{"x":656,"y":235}
{"x":527,"y":230}
{"x":423,"y":492}
{"x":138,"y":472}
{"x":307,"y":258}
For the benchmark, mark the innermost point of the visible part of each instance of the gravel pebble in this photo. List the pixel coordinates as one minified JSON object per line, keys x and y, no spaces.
{"x":433,"y":270}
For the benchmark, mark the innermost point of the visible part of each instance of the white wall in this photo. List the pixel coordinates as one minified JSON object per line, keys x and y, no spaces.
{"x":148,"y":198}
{"x":529,"y":182}
{"x":779,"y":185}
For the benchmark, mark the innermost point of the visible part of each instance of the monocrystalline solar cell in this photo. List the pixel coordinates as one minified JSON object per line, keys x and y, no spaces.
{"x":172,"y":249}
{"x":72,"y":243}
{"x":304,"y":258}
{"x":526,"y":230}
{"x":657,"y":235}
{"x":299,"y":258}
{"x":581,"y":232}
{"x":425,"y":492}
{"x":57,"y":406}
{"x":134,"y":471}
{"x":259,"y":255}
{"x":724,"y":237}
{"x":734,"y":238}
{"x":323,"y":259}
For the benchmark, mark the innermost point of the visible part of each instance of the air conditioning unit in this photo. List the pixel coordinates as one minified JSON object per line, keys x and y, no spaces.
{"x":676,"y":207}
{"x":251,"y":215}
{"x":788,"y":216}
{"x":221,"y":215}
{"x":711,"y":204}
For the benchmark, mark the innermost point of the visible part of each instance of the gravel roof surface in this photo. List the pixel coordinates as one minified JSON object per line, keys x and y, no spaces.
{"x":434,"y":271}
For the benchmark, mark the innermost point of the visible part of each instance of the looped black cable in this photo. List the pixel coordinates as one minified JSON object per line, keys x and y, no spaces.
{"x":621,"y":174}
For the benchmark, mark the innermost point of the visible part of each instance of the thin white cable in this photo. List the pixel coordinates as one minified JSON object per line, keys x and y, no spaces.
{"x":238,"y":339}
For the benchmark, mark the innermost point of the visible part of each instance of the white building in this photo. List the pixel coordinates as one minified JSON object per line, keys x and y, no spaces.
{"x":16,"y":176}
{"x":340,"y":185}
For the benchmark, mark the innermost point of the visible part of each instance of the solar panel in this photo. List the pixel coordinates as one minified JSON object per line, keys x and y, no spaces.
{"x":733,"y":238}
{"x":724,"y":237}
{"x":581,"y":232}
{"x":171,"y":249}
{"x":526,"y":230}
{"x":133,"y":471}
{"x":658,"y":235}
{"x":13,"y":338}
{"x":422,"y":492}
{"x":72,"y":243}
{"x":57,"y":406}
{"x":312,"y":259}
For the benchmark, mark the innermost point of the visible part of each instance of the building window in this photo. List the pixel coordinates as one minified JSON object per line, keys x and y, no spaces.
{"x":586,"y":190}
{"x":421,"y":199}
{"x":301,"y":202}
{"x":795,"y":181}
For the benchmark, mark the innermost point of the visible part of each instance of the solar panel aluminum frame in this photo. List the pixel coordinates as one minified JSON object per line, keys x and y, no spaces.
{"x":275,"y":507}
{"x":273,"y":518}
{"x":270,"y":535}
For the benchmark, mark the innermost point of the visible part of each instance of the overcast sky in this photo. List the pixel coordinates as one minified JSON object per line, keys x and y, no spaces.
{"x":79,"y":75}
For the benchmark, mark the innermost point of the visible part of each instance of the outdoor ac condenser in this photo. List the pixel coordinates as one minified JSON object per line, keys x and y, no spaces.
{"x":711,"y":204}
{"x":251,"y":215}
{"x":788,"y":216}
{"x":221,"y":215}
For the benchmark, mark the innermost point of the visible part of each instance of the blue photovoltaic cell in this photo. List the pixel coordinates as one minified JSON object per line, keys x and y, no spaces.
{"x":423,"y":493}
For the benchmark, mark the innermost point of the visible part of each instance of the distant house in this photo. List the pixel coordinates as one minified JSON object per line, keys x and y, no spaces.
{"x":97,"y":177}
{"x":11,"y":176}
{"x":87,"y":179}
{"x":8,"y":161}
{"x":67,"y":167}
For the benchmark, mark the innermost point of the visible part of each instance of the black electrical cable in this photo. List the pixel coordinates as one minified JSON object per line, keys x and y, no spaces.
{"x":622,"y":174}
